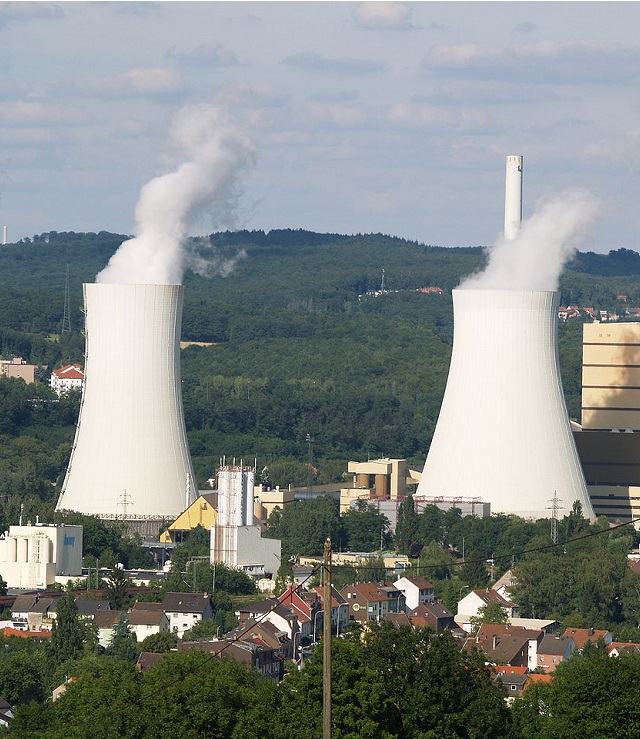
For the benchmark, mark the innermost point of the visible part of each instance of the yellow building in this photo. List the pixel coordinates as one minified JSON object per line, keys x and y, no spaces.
{"x":201,"y":512}
{"x":609,"y":440}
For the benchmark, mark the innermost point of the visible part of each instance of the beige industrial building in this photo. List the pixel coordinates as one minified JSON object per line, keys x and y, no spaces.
{"x":609,"y":441}
{"x":378,"y":479}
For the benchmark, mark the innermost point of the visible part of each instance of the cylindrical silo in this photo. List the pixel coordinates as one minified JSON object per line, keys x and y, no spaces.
{"x":503,"y":433}
{"x":130,"y":457}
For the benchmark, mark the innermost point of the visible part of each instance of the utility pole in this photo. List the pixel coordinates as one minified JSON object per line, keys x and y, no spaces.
{"x":326,"y":644}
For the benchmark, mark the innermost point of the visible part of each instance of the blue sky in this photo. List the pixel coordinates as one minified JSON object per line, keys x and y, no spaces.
{"x":366,"y":117}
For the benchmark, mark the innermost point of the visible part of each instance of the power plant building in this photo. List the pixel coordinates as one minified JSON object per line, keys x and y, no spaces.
{"x":235,"y":540}
{"x":130,"y":460}
{"x":609,"y":441}
{"x":503,"y":434}
{"x":34,"y":557}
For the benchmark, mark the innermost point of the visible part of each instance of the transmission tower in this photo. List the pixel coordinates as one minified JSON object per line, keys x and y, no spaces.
{"x":66,"y":316}
{"x":555,"y":507}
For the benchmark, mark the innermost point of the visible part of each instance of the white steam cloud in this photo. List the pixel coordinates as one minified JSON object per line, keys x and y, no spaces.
{"x":534,"y":260}
{"x":216,"y":155}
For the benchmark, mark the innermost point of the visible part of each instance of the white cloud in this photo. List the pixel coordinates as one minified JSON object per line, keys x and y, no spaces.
{"x":205,"y":56}
{"x":336,"y":115}
{"x":317,"y":62}
{"x":41,"y":113}
{"x":546,"y":61}
{"x":22,"y":12}
{"x":139,"y":82}
{"x":438,"y":119}
{"x":387,"y":15}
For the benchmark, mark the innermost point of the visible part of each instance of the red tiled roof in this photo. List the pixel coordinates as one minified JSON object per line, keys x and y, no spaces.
{"x":10,"y":631}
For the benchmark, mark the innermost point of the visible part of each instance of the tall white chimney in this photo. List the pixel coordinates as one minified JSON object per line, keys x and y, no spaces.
{"x":130,"y":457}
{"x":4,"y":235}
{"x":513,"y":197}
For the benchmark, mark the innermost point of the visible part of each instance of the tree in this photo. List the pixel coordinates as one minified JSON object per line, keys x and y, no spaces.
{"x":365,"y":529}
{"x":592,"y":695}
{"x":491,"y":613}
{"x":394,"y":683}
{"x":68,"y":633}
{"x":117,"y":585}
{"x":163,"y":641}
{"x":407,"y":526}
{"x":124,"y":644}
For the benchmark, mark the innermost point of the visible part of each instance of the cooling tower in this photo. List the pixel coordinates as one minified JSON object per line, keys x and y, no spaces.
{"x":503,"y":434}
{"x":130,"y":458}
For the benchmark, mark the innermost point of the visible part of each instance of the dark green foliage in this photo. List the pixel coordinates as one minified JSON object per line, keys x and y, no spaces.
{"x":68,"y":633}
{"x":163,"y":641}
{"x":124,"y":645}
{"x":117,"y":585}
{"x":592,"y":695}
{"x":395,"y":682}
{"x":364,"y":528}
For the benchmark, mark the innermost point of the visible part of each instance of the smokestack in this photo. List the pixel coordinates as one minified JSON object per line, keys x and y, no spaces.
{"x":131,"y":434}
{"x":503,"y":433}
{"x":513,"y":197}
{"x":4,"y":235}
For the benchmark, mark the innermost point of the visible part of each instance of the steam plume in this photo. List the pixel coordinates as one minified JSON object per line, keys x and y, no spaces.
{"x":207,"y":183}
{"x":535,"y":258}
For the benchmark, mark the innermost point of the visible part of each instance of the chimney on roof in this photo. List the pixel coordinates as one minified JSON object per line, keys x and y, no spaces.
{"x":494,"y":641}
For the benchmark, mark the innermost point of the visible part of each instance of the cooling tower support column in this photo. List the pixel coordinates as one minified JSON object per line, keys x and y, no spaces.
{"x":513,"y":197}
{"x":503,"y":433}
{"x":130,"y":457}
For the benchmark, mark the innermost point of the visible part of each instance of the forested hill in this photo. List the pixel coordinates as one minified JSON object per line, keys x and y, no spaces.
{"x":303,"y":345}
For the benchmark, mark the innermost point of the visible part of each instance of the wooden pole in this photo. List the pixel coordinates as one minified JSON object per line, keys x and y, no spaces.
{"x":326,"y":643}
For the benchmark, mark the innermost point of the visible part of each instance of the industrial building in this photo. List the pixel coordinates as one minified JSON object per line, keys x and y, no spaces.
{"x":34,"y":557}
{"x":609,"y":439}
{"x":130,"y":459}
{"x":235,"y":540}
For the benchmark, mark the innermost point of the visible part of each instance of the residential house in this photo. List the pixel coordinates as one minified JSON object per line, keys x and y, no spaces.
{"x":370,"y":601}
{"x":582,"y":637}
{"x":503,"y":585}
{"x":306,"y":605}
{"x":251,"y":652}
{"x":6,"y":713}
{"x":64,"y":379}
{"x":553,"y":650}
{"x":433,"y":615}
{"x":17,"y":367}
{"x":273,"y":611}
{"x":417,"y":591}
{"x":33,"y":612}
{"x":616,"y":648}
{"x":149,"y":659}
{"x":185,"y":610}
{"x":471,"y":604}
{"x":512,"y":645}
{"x":339,"y":609}
{"x":513,"y":679}
{"x":106,"y":622}
{"x":145,"y":623}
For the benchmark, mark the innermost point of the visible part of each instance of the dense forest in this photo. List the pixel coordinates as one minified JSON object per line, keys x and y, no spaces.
{"x":303,"y":345}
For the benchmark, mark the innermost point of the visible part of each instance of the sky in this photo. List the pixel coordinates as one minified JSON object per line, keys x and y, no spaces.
{"x":387,"y":117}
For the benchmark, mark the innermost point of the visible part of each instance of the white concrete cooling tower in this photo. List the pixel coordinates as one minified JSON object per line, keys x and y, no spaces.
{"x":130,"y":458}
{"x":503,"y":432}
